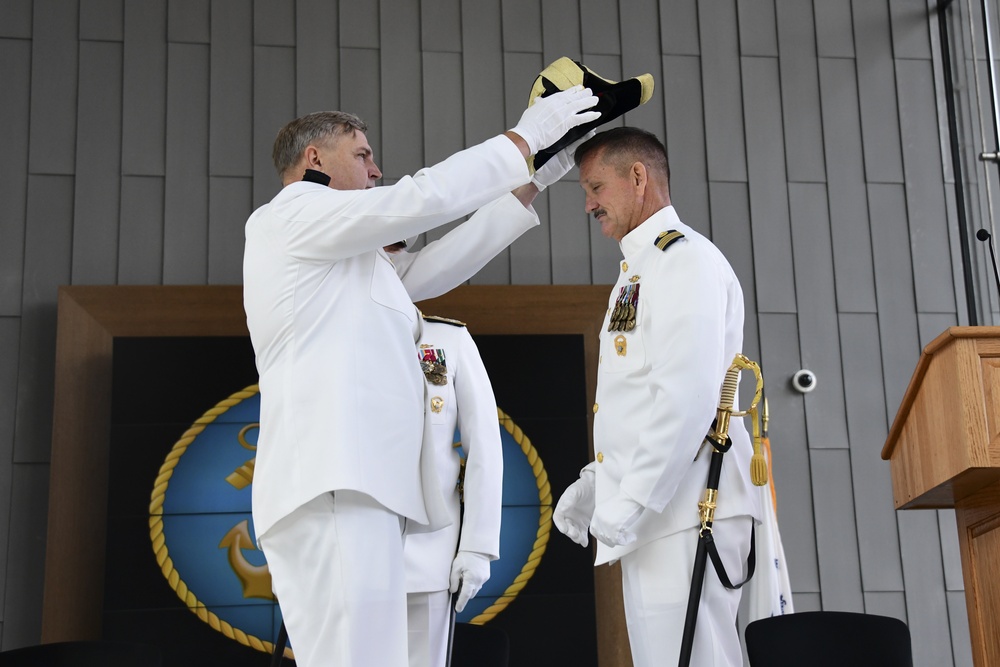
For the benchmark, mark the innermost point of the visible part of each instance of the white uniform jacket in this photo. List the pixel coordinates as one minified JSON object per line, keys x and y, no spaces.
{"x":467,"y":401}
{"x":658,"y":384}
{"x":333,"y":326}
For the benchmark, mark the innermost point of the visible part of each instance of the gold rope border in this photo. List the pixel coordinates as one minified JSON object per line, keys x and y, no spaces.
{"x":191,"y":601}
{"x":544,"y":522}
{"x":159,"y":541}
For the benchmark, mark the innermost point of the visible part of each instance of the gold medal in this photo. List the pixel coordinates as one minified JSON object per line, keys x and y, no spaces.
{"x":433,"y":364}
{"x":623,"y":317}
{"x":629,"y":323}
{"x":435,"y":373}
{"x":621,"y":313}
{"x":616,"y":317}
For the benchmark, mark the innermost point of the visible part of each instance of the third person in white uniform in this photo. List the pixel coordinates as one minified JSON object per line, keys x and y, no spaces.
{"x":458,"y":394}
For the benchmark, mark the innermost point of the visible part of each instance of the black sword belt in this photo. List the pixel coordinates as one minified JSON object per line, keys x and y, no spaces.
{"x":718,"y":438}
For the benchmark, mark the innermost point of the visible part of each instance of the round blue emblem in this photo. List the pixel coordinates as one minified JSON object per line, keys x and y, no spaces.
{"x":204,"y":542}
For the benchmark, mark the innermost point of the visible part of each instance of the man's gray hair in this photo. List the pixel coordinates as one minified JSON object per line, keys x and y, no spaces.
{"x":623,"y":146}
{"x":313,"y":128}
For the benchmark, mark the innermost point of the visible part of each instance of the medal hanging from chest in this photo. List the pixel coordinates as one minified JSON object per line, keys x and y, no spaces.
{"x":433,"y":364}
{"x":626,"y":306}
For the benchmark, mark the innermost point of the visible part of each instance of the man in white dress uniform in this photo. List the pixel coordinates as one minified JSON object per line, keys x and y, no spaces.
{"x":459,"y":394}
{"x":339,"y":463}
{"x":673,"y":326}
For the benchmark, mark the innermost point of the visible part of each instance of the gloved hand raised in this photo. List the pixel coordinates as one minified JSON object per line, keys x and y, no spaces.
{"x":576,"y":507}
{"x":558,"y":165}
{"x":613,"y":518}
{"x":551,"y":117}
{"x":471,"y":570}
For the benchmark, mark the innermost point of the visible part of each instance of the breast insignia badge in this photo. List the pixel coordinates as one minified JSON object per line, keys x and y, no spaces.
{"x":621,"y":345}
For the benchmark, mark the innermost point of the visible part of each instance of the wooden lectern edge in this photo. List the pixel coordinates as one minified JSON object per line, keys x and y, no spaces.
{"x":911,"y":390}
{"x":942,"y":340}
{"x":974,"y":493}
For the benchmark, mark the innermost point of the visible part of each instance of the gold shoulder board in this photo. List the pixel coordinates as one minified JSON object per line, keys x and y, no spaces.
{"x":443,"y":320}
{"x":664,"y":240}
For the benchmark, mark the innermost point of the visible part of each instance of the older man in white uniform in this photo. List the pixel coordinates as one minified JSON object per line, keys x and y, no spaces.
{"x":673,"y":326}
{"x":339,"y":462}
{"x":459,"y":394}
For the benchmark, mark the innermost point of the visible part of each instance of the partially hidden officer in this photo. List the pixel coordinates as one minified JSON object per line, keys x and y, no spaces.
{"x":454,"y":559}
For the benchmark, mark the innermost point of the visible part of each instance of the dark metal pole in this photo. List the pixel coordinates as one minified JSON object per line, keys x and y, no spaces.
{"x":279,"y":646}
{"x":984,"y":235}
{"x":451,"y":626}
{"x":971,"y":305}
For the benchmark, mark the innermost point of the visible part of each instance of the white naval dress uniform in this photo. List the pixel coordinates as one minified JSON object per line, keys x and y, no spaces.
{"x":466,"y":401}
{"x":658,"y":389}
{"x":333,"y":327}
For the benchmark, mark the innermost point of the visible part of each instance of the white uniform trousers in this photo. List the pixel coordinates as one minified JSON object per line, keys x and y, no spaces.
{"x":656,"y":581}
{"x":337,"y":570}
{"x":428,"y":616}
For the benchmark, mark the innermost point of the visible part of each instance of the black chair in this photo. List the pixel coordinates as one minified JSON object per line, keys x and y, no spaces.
{"x":828,"y":639}
{"x":83,"y":654}
{"x":479,"y":646}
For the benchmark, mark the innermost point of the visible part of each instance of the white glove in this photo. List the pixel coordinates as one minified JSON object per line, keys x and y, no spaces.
{"x":549,"y":118}
{"x":470,"y":570}
{"x":575,"y":507}
{"x":558,"y":165}
{"x":613,"y":518}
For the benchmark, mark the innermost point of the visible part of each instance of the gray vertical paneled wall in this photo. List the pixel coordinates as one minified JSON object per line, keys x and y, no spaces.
{"x":806,"y":138}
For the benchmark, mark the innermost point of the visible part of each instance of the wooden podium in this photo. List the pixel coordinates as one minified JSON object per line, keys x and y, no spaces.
{"x":944,"y":448}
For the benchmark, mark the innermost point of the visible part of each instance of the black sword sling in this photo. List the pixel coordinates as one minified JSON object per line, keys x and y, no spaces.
{"x":718,"y":439}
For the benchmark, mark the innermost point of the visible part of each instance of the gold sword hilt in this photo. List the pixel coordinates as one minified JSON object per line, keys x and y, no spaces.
{"x":720,"y":431}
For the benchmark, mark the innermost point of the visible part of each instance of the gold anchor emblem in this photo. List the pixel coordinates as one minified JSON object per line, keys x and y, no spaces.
{"x":255,"y":579}
{"x":243,"y":476}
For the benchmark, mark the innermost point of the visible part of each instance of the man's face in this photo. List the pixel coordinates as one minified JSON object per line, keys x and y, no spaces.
{"x":348,"y":161}
{"x":611,"y":197}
